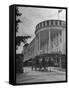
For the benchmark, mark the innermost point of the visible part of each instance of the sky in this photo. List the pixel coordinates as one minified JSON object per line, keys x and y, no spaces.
{"x":31,"y":17}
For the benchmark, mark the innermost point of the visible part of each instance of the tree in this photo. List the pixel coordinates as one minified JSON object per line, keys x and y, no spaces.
{"x":17,"y":20}
{"x":25,"y":45}
{"x":19,"y":39}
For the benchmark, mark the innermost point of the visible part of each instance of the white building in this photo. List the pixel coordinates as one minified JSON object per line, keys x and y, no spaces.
{"x":50,"y":39}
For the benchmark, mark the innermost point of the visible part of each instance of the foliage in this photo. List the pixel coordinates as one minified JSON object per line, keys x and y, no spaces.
{"x":19,"y":63}
{"x":19,"y":39}
{"x":17,"y":20}
{"x":25,"y":45}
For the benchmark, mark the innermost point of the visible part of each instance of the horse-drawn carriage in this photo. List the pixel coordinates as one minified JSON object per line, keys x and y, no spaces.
{"x":48,"y":60}
{"x":41,"y":62}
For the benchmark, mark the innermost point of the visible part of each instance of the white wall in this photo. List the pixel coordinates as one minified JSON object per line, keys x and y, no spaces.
{"x":4,"y":45}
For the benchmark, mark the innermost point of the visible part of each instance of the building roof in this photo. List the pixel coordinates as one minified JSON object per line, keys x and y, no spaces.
{"x":49,"y":23}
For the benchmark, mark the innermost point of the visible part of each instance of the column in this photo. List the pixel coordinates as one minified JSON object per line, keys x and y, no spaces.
{"x":49,"y":46}
{"x":39,"y":42}
{"x":35,"y":47}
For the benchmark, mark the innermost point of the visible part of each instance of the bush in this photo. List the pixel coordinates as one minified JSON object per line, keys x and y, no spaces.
{"x":19,"y":63}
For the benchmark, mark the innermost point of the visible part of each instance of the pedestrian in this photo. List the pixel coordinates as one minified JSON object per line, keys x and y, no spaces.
{"x":43,"y":63}
{"x":33,"y":62}
{"x":50,"y":64}
{"x":40,"y":64}
{"x":46,"y":63}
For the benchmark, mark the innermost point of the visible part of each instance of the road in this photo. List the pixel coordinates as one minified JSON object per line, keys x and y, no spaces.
{"x":30,"y":76}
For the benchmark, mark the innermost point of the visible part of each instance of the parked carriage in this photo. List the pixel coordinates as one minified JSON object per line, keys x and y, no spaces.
{"x":42,"y":62}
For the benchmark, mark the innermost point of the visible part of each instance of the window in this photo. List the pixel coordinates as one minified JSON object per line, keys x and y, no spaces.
{"x":60,"y":32}
{"x":40,"y":25}
{"x":56,"y":22}
{"x":43,"y":23}
{"x":48,"y":23}
{"x":51,"y":22}
{"x":60,"y":23}
{"x":52,"y":44}
{"x":60,"y":40}
{"x":57,"y":42}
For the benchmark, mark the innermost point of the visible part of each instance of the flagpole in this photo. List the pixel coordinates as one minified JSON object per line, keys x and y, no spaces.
{"x":58,"y":15}
{"x":59,"y":11}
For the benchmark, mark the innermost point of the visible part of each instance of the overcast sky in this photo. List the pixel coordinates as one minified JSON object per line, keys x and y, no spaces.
{"x":31,"y":17}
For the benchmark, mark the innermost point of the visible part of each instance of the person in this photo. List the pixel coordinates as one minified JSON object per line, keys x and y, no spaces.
{"x":44,"y":63}
{"x":47,"y":63}
{"x":40,"y":64}
{"x":32,"y":64}
{"x":36,"y":64}
{"x":50,"y":64}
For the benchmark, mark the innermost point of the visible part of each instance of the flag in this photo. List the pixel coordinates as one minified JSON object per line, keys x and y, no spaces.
{"x":59,"y":11}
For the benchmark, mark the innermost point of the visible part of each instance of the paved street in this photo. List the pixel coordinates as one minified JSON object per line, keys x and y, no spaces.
{"x":40,"y":76}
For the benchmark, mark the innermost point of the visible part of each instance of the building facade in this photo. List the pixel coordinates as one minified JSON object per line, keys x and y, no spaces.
{"x":50,"y":38}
